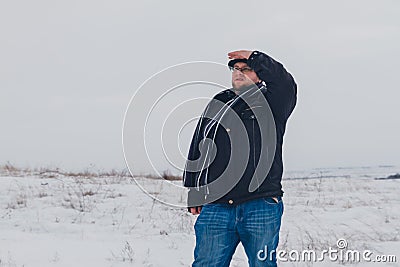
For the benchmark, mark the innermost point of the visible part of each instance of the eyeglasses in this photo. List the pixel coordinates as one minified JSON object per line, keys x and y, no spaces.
{"x":242,"y":70}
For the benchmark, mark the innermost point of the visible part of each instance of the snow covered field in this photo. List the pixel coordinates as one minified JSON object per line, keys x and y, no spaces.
{"x":53,"y":219}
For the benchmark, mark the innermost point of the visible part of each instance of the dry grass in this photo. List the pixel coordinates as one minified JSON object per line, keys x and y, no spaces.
{"x":49,"y":172}
{"x":166,"y":175}
{"x":170,"y":177}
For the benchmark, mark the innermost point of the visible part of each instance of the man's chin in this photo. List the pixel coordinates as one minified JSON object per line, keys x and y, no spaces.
{"x":242,"y":86}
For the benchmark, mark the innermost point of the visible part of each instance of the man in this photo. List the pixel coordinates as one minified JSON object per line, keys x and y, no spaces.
{"x":234,"y":167}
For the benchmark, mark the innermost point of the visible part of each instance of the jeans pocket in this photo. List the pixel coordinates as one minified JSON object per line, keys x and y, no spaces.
{"x":272,"y":201}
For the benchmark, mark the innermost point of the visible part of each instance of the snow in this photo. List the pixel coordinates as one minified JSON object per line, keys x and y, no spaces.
{"x":62,"y":220}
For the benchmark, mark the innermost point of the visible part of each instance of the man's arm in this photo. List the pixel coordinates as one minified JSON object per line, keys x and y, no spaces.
{"x":195,"y":168}
{"x":190,"y":177}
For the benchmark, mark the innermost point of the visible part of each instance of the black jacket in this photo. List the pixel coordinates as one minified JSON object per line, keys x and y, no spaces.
{"x":223,"y":173}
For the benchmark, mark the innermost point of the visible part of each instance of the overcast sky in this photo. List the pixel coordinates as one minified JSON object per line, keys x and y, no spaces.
{"x":68,"y":70}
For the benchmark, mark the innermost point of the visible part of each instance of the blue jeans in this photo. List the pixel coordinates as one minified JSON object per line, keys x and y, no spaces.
{"x":220,"y":227}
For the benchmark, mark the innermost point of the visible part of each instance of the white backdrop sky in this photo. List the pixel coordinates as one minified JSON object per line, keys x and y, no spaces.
{"x":69,"y":68}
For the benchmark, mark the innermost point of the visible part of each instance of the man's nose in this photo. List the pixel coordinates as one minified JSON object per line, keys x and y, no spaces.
{"x":237,"y":72}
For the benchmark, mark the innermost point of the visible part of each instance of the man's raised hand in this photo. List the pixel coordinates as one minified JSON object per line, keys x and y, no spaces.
{"x":239,"y":54}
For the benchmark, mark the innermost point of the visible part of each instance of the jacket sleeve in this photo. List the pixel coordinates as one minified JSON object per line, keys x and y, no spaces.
{"x":281,"y":87}
{"x":195,"y":195}
{"x":189,"y":178}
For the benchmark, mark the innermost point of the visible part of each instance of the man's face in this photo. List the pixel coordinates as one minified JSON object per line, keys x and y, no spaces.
{"x":244,"y":78}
